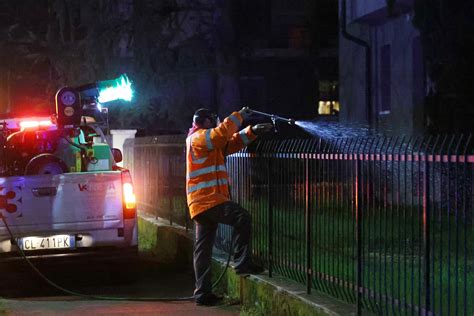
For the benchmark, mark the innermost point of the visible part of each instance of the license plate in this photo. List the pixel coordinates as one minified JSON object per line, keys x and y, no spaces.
{"x":50,"y":242}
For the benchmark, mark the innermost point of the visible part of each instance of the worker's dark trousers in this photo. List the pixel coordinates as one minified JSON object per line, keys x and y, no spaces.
{"x":229,"y":213}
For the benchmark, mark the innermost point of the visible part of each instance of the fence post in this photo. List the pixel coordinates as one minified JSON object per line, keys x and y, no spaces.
{"x":426,"y":234}
{"x":270,"y":219}
{"x":308,"y":227}
{"x":358,"y":231}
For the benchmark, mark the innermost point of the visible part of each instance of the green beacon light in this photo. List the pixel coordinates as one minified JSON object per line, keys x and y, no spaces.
{"x":115,"y":89}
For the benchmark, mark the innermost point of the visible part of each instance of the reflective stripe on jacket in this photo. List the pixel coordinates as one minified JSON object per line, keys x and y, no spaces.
{"x":207,"y":181}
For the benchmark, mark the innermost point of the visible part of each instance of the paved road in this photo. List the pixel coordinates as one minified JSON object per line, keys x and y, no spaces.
{"x":25,"y":293}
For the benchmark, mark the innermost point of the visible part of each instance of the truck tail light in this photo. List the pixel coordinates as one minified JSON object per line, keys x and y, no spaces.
{"x":129,"y":199}
{"x":129,"y":196}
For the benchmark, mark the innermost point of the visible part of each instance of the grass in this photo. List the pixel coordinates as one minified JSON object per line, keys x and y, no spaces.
{"x":3,"y":310}
{"x":259,"y":309}
{"x":393,"y":254}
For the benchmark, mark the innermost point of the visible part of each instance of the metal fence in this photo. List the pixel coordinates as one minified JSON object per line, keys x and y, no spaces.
{"x":383,"y":223}
{"x":158,"y":168}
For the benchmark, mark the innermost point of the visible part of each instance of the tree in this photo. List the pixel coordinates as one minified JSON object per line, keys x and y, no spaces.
{"x":175,"y":51}
{"x":51,"y":43}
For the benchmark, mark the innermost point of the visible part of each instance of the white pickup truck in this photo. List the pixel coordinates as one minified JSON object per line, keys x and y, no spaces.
{"x":68,"y":214}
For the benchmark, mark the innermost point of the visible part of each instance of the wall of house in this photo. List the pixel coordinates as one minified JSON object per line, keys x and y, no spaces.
{"x":404,"y":113}
{"x":360,"y":8}
{"x":352,"y":77}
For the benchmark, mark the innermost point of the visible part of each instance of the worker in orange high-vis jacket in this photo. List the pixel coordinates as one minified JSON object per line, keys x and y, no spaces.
{"x":207,"y":185}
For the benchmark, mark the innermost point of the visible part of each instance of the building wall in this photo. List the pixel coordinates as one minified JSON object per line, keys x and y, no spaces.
{"x":404,"y":116}
{"x":352,"y":77}
{"x":360,"y":8}
{"x":400,"y":35}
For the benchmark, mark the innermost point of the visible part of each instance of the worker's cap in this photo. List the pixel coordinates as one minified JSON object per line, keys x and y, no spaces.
{"x":202,"y":114}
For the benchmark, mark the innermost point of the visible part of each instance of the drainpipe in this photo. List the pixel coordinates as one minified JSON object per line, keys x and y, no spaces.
{"x":368,"y":63}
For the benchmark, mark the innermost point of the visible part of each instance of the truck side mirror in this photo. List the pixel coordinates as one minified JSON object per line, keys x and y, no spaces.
{"x":117,"y":155}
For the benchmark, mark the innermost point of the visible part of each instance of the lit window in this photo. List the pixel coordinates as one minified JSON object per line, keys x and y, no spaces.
{"x":328,"y":93}
{"x":328,"y":107}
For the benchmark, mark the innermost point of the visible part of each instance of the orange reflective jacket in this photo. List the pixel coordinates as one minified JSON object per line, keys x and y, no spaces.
{"x":207,"y":181}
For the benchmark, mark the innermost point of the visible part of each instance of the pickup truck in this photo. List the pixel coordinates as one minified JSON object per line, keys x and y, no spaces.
{"x":89,"y":212}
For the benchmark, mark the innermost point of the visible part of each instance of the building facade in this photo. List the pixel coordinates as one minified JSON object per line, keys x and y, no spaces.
{"x":397,"y":75}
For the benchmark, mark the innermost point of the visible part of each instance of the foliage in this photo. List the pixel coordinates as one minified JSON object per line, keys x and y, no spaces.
{"x":164,"y":46}
{"x":54,"y":43}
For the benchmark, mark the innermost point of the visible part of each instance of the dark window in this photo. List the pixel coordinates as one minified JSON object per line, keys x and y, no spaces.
{"x":385,"y":78}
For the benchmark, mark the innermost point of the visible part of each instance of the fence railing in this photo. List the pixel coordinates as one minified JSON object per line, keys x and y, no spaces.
{"x":158,"y":168}
{"x":383,"y":223}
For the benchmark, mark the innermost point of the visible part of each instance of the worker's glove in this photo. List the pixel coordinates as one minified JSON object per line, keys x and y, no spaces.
{"x":245,"y":112}
{"x":262,"y":129}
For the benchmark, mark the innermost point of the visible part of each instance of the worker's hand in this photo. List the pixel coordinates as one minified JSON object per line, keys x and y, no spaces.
{"x":245,"y":112}
{"x":262,"y":129}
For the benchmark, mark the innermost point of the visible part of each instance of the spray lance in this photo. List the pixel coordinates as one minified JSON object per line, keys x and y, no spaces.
{"x":273,"y":117}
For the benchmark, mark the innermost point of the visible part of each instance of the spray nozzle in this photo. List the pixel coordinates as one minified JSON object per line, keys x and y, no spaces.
{"x":275,"y":117}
